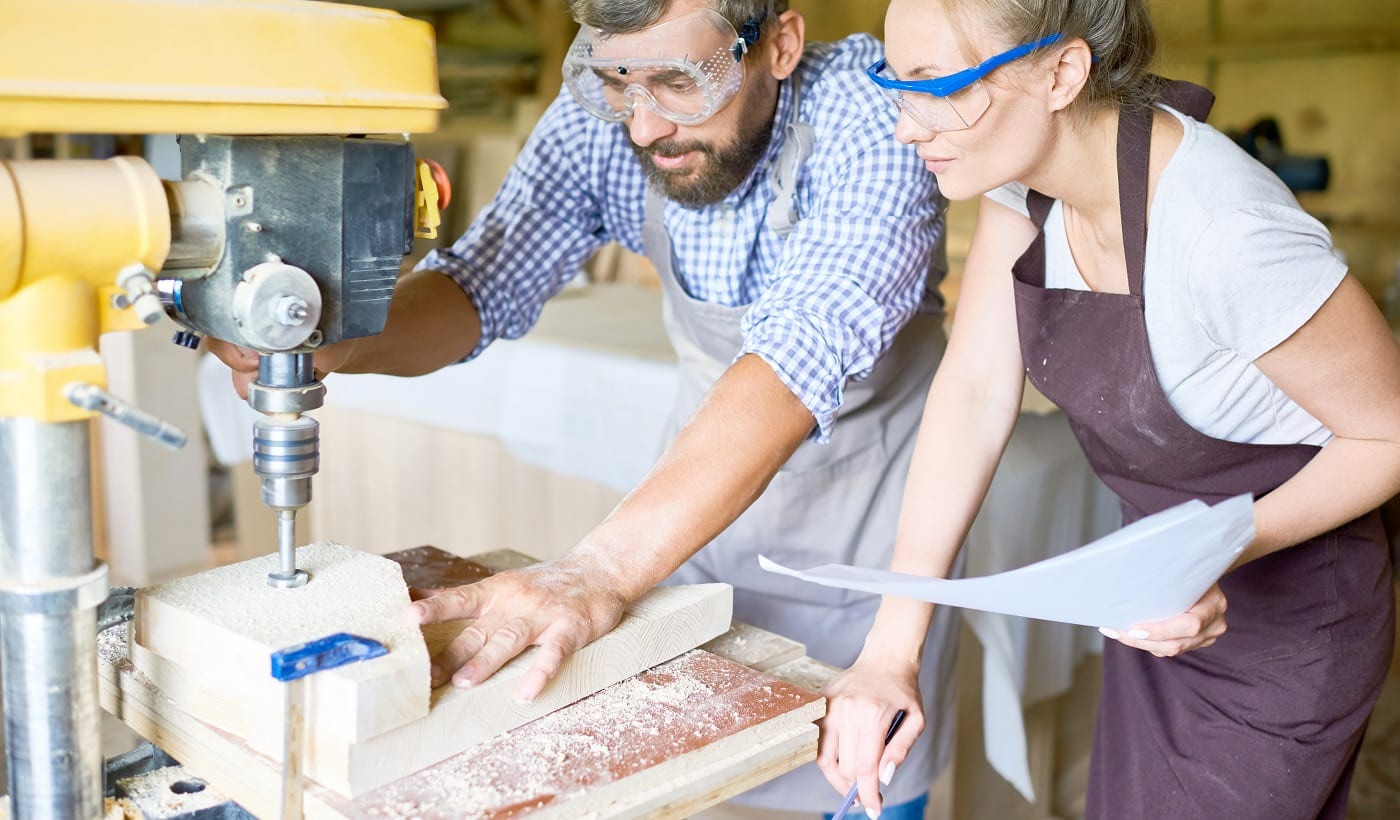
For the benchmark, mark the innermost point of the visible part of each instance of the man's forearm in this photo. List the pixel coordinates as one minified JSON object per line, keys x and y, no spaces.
{"x":431,"y":324}
{"x":720,"y":462}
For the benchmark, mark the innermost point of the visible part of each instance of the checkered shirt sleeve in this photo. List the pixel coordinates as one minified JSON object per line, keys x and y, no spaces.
{"x":824,"y":304}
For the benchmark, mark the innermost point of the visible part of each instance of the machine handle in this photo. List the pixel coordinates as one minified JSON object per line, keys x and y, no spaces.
{"x":91,"y":397}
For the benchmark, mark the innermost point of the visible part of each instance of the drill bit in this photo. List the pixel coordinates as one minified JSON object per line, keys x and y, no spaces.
{"x":289,"y":576}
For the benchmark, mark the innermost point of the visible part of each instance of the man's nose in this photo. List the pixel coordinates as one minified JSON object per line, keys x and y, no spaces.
{"x":647,"y":126}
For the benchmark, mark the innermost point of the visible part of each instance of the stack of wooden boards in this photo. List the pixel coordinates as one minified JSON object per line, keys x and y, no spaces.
{"x":205,"y":641}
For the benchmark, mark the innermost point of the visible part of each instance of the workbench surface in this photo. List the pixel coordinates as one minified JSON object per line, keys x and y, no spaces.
{"x":669,"y":742}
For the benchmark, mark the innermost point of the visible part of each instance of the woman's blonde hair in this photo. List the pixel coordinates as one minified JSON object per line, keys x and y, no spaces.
{"x":1119,"y":33}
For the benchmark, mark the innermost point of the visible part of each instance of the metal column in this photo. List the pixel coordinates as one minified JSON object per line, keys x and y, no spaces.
{"x":50,"y":587}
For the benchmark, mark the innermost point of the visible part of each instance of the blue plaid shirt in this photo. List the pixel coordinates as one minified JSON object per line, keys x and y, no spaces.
{"x":823,"y":304}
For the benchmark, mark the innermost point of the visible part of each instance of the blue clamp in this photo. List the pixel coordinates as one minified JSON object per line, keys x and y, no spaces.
{"x":301,"y":660}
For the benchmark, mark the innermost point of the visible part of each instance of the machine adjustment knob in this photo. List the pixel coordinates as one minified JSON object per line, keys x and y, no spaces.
{"x":187,"y":338}
{"x":276,"y":306}
{"x":141,"y":296}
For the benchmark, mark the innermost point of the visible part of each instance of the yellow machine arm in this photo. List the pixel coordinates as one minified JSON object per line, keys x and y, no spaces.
{"x":86,"y":245}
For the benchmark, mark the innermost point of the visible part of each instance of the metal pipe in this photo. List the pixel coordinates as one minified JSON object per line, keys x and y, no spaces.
{"x":196,"y":226}
{"x":286,"y":370}
{"x":48,"y":660}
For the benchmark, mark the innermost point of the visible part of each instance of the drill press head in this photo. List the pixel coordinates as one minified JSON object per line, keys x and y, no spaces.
{"x":284,"y":245}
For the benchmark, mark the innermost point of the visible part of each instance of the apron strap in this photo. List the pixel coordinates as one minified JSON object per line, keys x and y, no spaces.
{"x":1190,"y":99}
{"x":656,"y":241}
{"x":799,"y":141}
{"x":1039,"y":206}
{"x":1134,"y":149}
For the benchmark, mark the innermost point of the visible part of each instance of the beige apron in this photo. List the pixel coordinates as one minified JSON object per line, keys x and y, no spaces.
{"x":831,"y":503}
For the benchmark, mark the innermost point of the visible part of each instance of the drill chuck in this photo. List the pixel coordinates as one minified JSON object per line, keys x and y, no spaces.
{"x":286,"y":455}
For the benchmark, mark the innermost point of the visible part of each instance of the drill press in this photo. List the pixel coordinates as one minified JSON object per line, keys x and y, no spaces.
{"x":265,"y":238}
{"x":286,"y":244}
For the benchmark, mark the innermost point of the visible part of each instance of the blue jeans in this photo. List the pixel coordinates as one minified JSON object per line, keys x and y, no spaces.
{"x":913,"y":810}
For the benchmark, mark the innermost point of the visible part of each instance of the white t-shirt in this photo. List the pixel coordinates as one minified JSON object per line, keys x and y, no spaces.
{"x":1234,"y":267}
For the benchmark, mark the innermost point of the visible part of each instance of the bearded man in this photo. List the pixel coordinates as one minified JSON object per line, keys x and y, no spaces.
{"x":800,"y":249}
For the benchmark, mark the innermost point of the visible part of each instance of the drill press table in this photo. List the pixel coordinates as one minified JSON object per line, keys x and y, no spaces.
{"x":666,"y":743}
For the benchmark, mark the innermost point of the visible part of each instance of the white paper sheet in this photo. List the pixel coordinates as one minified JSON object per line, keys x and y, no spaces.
{"x":1152,"y":569}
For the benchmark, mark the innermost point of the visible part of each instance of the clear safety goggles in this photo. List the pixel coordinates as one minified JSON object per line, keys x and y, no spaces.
{"x":610,"y":74}
{"x":954,"y":102}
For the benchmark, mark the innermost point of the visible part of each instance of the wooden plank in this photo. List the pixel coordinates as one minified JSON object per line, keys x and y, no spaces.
{"x":776,"y":735}
{"x":756,"y":648}
{"x":673,"y":784}
{"x":700,"y":720}
{"x":659,"y":626}
{"x":233,"y":767}
{"x":762,"y":760}
{"x":498,"y":561}
{"x":216,"y":631}
{"x":808,"y":673}
{"x":361,"y":736}
{"x":430,"y":567}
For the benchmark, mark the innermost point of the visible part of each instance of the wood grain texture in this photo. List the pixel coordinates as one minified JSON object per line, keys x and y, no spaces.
{"x":772,"y":734}
{"x":251,"y":779}
{"x":622,"y":751}
{"x":197,"y":642}
{"x":661,"y":625}
{"x":756,"y":648}
{"x":208,"y":638}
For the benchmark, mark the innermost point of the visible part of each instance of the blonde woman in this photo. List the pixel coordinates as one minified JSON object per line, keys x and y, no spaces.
{"x":1195,"y":325}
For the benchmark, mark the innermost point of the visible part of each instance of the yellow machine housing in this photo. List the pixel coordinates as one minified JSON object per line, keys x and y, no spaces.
{"x":214,"y":67}
{"x":162,"y":66}
{"x":82,"y":247}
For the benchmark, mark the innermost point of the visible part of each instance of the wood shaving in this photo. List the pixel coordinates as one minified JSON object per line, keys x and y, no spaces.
{"x":658,"y":716}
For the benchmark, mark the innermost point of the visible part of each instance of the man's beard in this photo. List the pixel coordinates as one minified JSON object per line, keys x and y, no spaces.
{"x":719,"y":171}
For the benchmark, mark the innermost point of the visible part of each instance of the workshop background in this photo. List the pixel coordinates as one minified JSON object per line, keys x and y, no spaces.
{"x":1301,"y":81}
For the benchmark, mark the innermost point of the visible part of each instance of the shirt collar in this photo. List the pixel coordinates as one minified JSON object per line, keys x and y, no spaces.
{"x":782,"y":114}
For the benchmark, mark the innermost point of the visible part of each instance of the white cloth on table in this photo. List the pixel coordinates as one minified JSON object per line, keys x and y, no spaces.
{"x":1043,"y":501}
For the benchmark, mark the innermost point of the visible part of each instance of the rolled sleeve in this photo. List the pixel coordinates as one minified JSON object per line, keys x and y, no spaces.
{"x":810,"y":353}
{"x":852,"y":274}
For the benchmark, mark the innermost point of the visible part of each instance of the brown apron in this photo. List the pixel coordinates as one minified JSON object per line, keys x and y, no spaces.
{"x":1266,"y":723}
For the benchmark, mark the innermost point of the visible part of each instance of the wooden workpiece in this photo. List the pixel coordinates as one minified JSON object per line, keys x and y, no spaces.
{"x":207,"y":639}
{"x":683,"y":736}
{"x":196,"y":634}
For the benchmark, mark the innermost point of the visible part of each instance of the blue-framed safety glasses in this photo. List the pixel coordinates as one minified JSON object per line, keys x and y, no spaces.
{"x":956,"y":101}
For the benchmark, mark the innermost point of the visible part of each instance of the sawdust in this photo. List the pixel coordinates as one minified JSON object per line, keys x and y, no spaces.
{"x":120,"y":809}
{"x":658,"y":716}
{"x":167,"y":792}
{"x":111,"y":645}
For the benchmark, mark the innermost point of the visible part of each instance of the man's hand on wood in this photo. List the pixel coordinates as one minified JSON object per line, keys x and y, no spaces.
{"x":559,"y":606}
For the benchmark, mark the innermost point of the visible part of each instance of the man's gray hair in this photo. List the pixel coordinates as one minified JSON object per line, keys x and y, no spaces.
{"x":624,"y":16}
